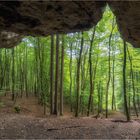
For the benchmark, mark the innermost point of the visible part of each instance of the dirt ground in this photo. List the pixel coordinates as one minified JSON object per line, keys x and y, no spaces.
{"x":30,"y":123}
{"x":16,"y":126}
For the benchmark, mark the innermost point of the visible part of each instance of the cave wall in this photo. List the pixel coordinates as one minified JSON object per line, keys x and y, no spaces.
{"x":128,"y":19}
{"x":42,"y":18}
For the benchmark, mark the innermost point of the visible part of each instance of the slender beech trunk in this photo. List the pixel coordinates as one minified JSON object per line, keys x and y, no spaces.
{"x":137,"y":91}
{"x":75,"y":78}
{"x":138,"y":99}
{"x":83,"y":80}
{"x":124,"y":84}
{"x":52,"y":76}
{"x":109,"y":68}
{"x":129,"y":95}
{"x":13,"y":75}
{"x":99,"y":96}
{"x":6,"y":65}
{"x":133,"y":82}
{"x":26,"y":72}
{"x":94,"y":77}
{"x":62,"y":75}
{"x":113,"y":84}
{"x":21,"y":77}
{"x":56,"y":76}
{"x":3,"y":67}
{"x":36,"y":72}
{"x":90,"y":72}
{"x":101,"y":104}
{"x":1,"y":70}
{"x":4,"y":71}
{"x":78,"y":77}
{"x":7,"y":70}
{"x":70,"y":69}
{"x":43,"y":95}
{"x":39,"y":71}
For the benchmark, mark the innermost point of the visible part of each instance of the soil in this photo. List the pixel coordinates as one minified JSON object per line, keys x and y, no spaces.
{"x":31,"y":123}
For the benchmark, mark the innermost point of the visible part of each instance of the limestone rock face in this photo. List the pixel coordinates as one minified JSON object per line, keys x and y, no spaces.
{"x":41,"y":18}
{"x":9,"y":39}
{"x":44,"y":17}
{"x":128,"y":19}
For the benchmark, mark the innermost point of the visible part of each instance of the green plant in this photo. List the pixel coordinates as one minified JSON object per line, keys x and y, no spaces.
{"x":17,"y":109}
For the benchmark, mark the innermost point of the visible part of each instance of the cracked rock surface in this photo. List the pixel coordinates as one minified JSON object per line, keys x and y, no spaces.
{"x":41,"y":18}
{"x":128,"y":19}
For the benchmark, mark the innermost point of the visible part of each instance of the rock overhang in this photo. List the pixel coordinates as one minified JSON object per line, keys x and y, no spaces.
{"x":42,"y":18}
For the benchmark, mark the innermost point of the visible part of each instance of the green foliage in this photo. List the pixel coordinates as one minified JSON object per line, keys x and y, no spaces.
{"x":17,"y":109}
{"x":1,"y":104}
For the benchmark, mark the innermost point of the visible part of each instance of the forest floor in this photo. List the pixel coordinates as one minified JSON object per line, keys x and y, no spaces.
{"x":31,"y":123}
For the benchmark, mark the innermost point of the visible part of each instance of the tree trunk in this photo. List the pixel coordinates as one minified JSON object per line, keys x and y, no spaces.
{"x":124,"y":84}
{"x":56,"y":76}
{"x":99,"y":97}
{"x":83,"y":80}
{"x":26,"y":72}
{"x":133,"y":84}
{"x":113,"y":85}
{"x":109,"y":68}
{"x":78,"y":77}
{"x":13,"y":75}
{"x":62,"y":75}
{"x":70,"y":69}
{"x":52,"y":76}
{"x":90,"y":72}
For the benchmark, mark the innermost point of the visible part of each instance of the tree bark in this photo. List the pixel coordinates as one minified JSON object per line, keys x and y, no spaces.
{"x":109,"y":68}
{"x":70,"y":69}
{"x":90,"y":72}
{"x":133,"y":83}
{"x":78,"y":77}
{"x":113,"y":85}
{"x":13,"y":74}
{"x":52,"y":76}
{"x":62,"y":77}
{"x":56,"y":76}
{"x":124,"y":84}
